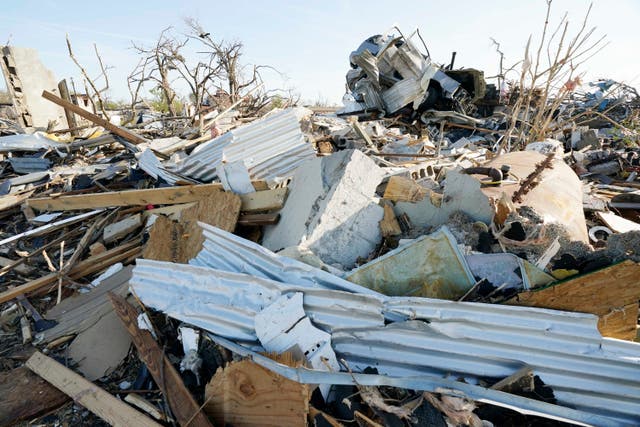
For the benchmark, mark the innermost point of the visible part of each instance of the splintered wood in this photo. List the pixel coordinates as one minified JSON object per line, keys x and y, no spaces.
{"x":26,"y":396}
{"x":401,"y":189}
{"x":87,"y":394}
{"x":179,"y":241}
{"x":244,"y":394}
{"x":611,"y":293}
{"x":389,"y":225}
{"x":182,"y":404}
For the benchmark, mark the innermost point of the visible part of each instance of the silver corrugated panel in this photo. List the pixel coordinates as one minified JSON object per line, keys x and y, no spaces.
{"x":203,"y":162}
{"x":225,"y":251}
{"x":425,"y":382}
{"x":582,"y":372}
{"x":225,"y":303}
{"x":597,"y":375}
{"x":271,"y":147}
{"x":29,"y":164}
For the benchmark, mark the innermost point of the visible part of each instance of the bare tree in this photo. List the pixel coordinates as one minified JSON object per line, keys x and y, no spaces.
{"x":234,"y":77}
{"x":545,"y":83}
{"x":157,"y":63}
{"x":88,"y":81}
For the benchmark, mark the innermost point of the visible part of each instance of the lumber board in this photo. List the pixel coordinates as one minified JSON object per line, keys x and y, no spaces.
{"x":252,"y":202}
{"x":259,"y":219}
{"x":401,"y":189}
{"x":611,"y":293}
{"x":179,"y":241}
{"x":121,"y":132}
{"x":26,"y":396}
{"x":244,"y":394}
{"x":184,"y":407}
{"x":103,"y":404}
{"x":389,"y":225}
{"x":83,"y":268}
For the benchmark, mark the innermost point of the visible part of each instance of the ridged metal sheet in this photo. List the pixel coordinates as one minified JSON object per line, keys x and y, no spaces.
{"x":271,"y":148}
{"x":225,"y":303}
{"x":582,"y":373}
{"x":424,"y":382}
{"x":225,"y":251}
{"x":439,"y":337}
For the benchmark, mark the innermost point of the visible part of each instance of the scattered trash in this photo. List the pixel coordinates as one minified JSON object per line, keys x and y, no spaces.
{"x":441,"y":251}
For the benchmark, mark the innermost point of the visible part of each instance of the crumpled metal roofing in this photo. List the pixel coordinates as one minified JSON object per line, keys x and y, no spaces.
{"x":594,"y":374}
{"x":584,"y":372}
{"x":423,"y":382}
{"x":226,"y":303}
{"x":225,"y":251}
{"x":271,"y":147}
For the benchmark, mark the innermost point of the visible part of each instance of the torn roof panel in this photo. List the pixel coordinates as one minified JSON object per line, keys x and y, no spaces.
{"x":271,"y":147}
{"x":584,"y":374}
{"x":226,"y":303}
{"x":225,"y":251}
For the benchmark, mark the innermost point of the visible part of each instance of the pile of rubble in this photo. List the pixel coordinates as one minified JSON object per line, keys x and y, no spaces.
{"x":391,"y":264}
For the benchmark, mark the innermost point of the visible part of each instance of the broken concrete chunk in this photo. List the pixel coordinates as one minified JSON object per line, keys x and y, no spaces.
{"x":120,"y":229}
{"x":331,"y":209}
{"x":431,"y":266}
{"x":461,"y":193}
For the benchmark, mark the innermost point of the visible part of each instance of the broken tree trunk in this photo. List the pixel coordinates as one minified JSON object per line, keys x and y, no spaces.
{"x":183,"y":405}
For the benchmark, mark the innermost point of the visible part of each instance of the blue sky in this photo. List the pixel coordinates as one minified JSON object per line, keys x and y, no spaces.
{"x":309,"y":42}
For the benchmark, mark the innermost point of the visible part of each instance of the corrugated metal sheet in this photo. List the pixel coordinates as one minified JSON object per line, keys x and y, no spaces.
{"x":582,"y":373}
{"x":225,"y":251}
{"x":29,"y":164}
{"x":271,"y":147}
{"x":435,"y":337}
{"x":226,"y":303}
{"x":427,"y":383}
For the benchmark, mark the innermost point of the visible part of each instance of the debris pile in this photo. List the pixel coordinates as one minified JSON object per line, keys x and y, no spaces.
{"x":410,"y":260}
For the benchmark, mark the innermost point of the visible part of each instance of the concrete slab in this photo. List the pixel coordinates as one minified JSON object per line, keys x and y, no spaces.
{"x":461,"y":193}
{"x":331,"y":209}
{"x":26,"y":78}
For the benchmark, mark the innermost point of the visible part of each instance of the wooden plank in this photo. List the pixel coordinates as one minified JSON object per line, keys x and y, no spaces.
{"x":389,"y":225}
{"x":184,"y":407}
{"x":11,"y":200}
{"x":83,"y":268}
{"x":259,"y":219}
{"x":106,"y":406}
{"x":611,"y":293}
{"x":258,"y":201}
{"x":26,"y":396}
{"x":401,"y":189}
{"x":244,"y":394}
{"x":64,"y":94}
{"x":121,"y":132}
{"x":264,"y":200}
{"x":179,"y":241}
